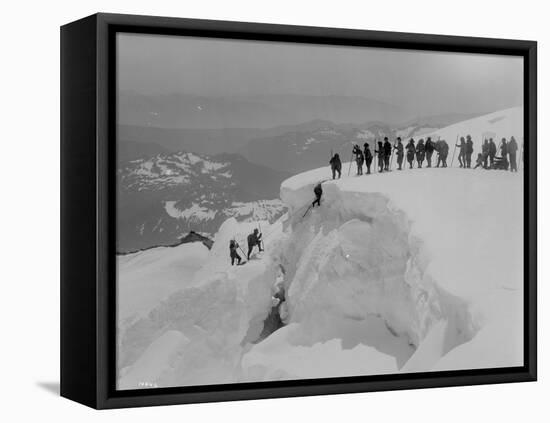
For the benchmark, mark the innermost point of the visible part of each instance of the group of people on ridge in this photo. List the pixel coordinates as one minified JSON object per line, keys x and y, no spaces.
{"x":423,"y":151}
{"x":488,"y":158}
{"x":384,"y":154}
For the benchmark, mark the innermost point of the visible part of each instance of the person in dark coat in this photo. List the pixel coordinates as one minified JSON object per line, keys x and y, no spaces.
{"x":469,"y":151}
{"x":485,"y":153}
{"x":512,"y":150}
{"x":359,"y":159}
{"x":387,"y":153}
{"x":504,"y":152}
{"x":380,"y":157}
{"x":368,"y":157}
{"x":400,"y":153}
{"x":420,"y":152}
{"x":437,"y":149}
{"x":462,"y":152}
{"x":233,"y":245}
{"x":336,"y":166}
{"x":254,"y":239}
{"x":443,"y":153}
{"x":411,"y":150}
{"x":429,"y":147}
{"x":442,"y":149}
{"x":492,"y":152}
{"x":318,"y":191}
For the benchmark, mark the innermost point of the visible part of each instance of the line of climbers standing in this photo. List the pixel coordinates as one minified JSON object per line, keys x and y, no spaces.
{"x":419,"y":152}
{"x":487,"y":159}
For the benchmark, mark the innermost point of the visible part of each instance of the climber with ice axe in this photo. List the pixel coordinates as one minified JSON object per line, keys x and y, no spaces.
{"x":233,"y":245}
{"x":254,"y":239}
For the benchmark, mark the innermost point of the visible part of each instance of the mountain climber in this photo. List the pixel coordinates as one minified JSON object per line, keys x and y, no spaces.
{"x":443,"y":152}
{"x":318,"y":191}
{"x":485,"y":152}
{"x":410,"y":152}
{"x":462,"y":152}
{"x":429,"y":147}
{"x":387,"y":154}
{"x":420,"y":152}
{"x":442,"y":149}
{"x":469,"y":151}
{"x":504,"y":153}
{"x":254,"y":239}
{"x":512,"y":150}
{"x":233,"y":245}
{"x":359,"y":159}
{"x":399,"y":148}
{"x":479,"y":161}
{"x":336,"y":166}
{"x":368,"y":157}
{"x":492,"y":152}
{"x":380,"y":157}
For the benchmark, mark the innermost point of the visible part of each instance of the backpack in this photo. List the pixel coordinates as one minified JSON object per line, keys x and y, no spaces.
{"x":318,"y":190}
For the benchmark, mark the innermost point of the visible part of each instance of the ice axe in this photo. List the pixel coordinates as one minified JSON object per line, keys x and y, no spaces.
{"x":244,"y":254}
{"x":238,"y":245}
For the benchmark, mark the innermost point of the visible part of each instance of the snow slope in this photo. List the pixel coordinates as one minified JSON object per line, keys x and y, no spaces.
{"x":402,"y":272}
{"x":147,"y":277}
{"x":498,"y":125}
{"x":449,"y":241}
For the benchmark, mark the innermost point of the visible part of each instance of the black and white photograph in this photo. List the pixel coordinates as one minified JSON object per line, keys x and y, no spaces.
{"x":289,"y":211}
{"x":273,"y":212}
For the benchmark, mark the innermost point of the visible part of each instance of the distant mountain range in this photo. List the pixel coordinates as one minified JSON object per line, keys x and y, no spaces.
{"x":137,"y":141}
{"x":259,"y":111}
{"x":162,"y":198}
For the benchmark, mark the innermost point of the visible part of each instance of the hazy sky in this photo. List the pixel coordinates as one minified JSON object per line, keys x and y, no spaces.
{"x":428,"y":83}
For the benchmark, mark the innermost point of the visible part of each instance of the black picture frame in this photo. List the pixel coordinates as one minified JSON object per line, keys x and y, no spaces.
{"x":88,"y":103}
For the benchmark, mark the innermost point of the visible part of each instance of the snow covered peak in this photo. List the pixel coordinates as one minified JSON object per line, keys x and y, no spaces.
{"x":171,"y":170}
{"x":162,"y":198}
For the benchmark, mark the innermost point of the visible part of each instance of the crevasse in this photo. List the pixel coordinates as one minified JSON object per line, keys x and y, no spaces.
{"x":355,"y":260}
